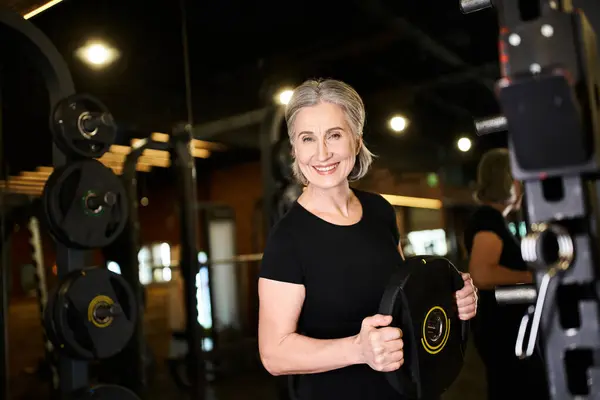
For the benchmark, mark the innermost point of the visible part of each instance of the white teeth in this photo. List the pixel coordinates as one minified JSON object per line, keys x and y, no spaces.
{"x":326,"y":168}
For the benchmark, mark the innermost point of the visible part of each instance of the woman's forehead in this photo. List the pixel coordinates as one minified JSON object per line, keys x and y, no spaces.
{"x":321,"y":118}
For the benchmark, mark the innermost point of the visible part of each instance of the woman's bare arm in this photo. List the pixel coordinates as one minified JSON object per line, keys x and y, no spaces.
{"x":285,"y":352}
{"x":401,"y":251}
{"x":484,"y":265}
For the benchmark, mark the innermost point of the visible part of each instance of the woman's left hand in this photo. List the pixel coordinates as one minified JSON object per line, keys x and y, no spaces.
{"x":466,"y":299}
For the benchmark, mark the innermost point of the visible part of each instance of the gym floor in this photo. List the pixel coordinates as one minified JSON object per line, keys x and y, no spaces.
{"x":26,"y":350}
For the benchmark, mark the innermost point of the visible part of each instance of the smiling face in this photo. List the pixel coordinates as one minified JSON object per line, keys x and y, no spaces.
{"x":325,"y":147}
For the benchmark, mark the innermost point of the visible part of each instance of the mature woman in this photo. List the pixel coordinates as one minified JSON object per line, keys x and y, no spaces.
{"x":327,"y":261}
{"x":495,"y":260}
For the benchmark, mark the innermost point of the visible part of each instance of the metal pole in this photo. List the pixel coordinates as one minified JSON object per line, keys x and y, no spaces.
{"x":136,"y":368}
{"x":186,"y":64}
{"x":4,"y":389}
{"x":186,"y":171}
{"x":4,"y":283}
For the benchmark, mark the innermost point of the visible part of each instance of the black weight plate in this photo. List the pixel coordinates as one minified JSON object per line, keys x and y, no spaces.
{"x":420,"y":297}
{"x":282,"y":160}
{"x":69,"y":219}
{"x":50,"y":222}
{"x":108,"y":392}
{"x":66,"y":123}
{"x":78,"y":331}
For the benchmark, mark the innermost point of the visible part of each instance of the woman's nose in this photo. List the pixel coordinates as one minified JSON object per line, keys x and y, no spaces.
{"x":323,"y":151}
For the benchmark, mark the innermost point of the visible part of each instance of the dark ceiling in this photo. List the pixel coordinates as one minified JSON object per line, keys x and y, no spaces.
{"x":22,"y":6}
{"x":423,"y":59}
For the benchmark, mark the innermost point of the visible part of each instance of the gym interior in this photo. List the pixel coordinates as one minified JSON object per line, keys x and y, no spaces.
{"x":184,"y":102}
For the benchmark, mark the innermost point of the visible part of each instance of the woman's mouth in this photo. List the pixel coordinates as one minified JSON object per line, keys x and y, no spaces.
{"x":326,"y":169}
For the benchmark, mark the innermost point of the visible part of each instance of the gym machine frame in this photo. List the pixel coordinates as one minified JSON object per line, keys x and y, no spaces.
{"x":128,"y":246}
{"x":130,"y":240}
{"x":4,"y":298}
{"x":80,"y":135}
{"x":73,"y":373}
{"x":269,"y":136}
{"x":549,"y":99}
{"x":179,"y":146}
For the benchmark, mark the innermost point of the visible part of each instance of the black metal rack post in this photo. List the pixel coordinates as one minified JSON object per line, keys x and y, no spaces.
{"x":181,"y":139}
{"x":4,"y":389}
{"x":549,"y":100}
{"x":129,"y":246}
{"x":40,"y":50}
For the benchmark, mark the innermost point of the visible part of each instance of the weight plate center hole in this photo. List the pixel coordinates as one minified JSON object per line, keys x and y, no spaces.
{"x":554,"y":247}
{"x":549,"y":247}
{"x":95,"y":203}
{"x":104,"y":313}
{"x":434,"y":327}
{"x":83,"y":124}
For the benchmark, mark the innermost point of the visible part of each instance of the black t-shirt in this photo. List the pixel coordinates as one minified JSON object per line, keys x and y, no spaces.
{"x":344,"y":270}
{"x":496,"y":324}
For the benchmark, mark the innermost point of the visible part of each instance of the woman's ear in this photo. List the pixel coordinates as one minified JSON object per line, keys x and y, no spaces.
{"x":359,"y":144}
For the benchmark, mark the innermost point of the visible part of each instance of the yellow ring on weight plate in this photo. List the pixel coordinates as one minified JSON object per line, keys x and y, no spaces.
{"x":435,"y":349}
{"x":92,"y":306}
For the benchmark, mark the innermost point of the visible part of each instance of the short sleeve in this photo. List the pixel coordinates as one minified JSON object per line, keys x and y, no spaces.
{"x":393,"y":222}
{"x":485,"y":219}
{"x":280,"y":260}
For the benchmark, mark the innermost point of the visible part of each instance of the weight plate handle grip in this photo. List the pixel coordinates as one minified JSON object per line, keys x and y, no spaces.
{"x":392,"y":294}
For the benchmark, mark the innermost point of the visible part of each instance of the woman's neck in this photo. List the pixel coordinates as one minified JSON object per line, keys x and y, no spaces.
{"x":335,"y":200}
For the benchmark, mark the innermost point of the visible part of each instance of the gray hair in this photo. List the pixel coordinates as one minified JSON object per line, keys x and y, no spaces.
{"x":313,"y":92}
{"x":494,"y":178}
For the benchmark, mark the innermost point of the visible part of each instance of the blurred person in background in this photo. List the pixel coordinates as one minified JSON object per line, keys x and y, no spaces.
{"x":495,"y":260}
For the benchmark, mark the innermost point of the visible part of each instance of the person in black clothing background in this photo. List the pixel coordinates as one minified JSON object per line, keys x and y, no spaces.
{"x":495,"y":260}
{"x":328,"y":260}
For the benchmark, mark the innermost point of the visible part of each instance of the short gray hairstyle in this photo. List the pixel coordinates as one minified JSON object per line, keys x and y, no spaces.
{"x":494,"y":178}
{"x":312,"y":92}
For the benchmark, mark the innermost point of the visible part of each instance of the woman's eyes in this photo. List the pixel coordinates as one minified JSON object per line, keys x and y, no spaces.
{"x":333,"y":135}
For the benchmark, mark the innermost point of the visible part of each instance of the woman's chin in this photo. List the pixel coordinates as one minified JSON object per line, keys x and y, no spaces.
{"x":327,"y":182}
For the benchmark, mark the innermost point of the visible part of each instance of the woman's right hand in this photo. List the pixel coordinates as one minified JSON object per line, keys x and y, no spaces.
{"x":381,"y":345}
